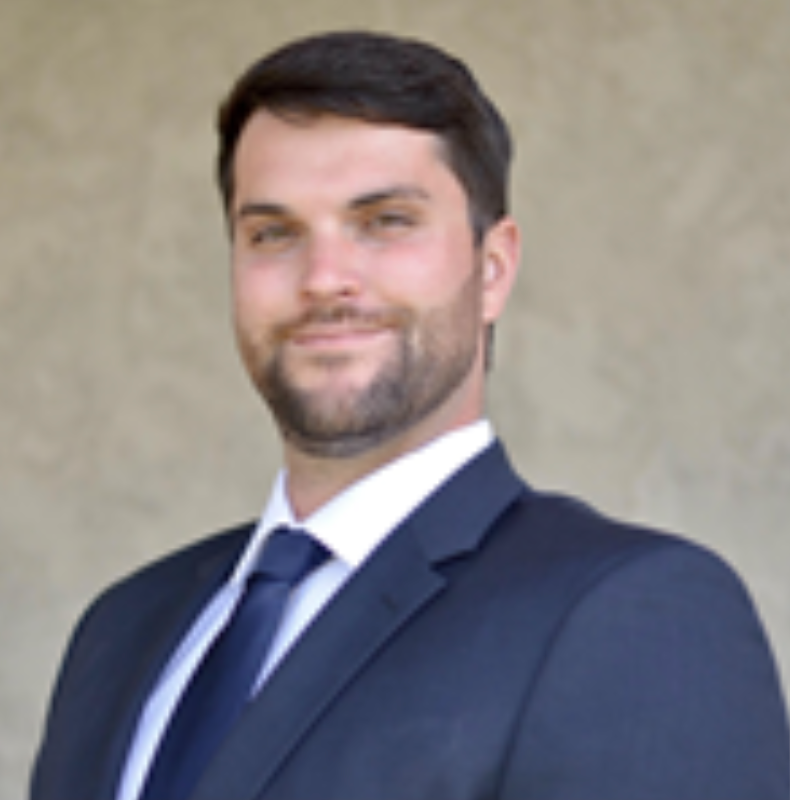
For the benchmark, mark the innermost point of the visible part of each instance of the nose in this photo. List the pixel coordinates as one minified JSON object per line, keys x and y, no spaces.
{"x":330,"y":268}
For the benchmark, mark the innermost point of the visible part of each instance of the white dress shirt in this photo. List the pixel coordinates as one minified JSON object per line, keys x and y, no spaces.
{"x":351,"y":526}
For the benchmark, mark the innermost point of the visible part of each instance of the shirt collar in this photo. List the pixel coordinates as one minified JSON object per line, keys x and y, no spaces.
{"x":355,"y":522}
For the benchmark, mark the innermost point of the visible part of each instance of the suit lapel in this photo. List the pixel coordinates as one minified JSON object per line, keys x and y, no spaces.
{"x":171,"y":617}
{"x":399,"y":579}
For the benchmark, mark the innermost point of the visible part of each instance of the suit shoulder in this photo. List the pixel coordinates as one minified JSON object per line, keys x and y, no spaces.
{"x":574,"y":538}
{"x":227,"y":543}
{"x":167,"y":574}
{"x":658,"y":679}
{"x":568,"y":525}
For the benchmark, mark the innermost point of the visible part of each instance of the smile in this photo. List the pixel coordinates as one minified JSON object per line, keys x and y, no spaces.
{"x":337,"y":336}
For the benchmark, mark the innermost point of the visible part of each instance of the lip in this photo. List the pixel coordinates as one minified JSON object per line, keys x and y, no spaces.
{"x":337,"y":336}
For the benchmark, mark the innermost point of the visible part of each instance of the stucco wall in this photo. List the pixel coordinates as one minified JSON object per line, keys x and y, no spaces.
{"x":644,"y":362}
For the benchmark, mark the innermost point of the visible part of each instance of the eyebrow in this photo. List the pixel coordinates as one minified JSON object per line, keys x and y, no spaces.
{"x":264,"y":209}
{"x":385,"y":195}
{"x":261,"y":210}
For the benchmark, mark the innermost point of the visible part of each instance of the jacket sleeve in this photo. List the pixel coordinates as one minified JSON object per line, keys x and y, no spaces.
{"x":659,"y":686}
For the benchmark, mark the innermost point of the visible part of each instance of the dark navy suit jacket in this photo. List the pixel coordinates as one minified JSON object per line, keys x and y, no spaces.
{"x":500,"y":644}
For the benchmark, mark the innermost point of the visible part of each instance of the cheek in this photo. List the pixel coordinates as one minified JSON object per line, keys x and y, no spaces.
{"x":258,"y":294}
{"x":255,"y":316}
{"x":427,"y":275}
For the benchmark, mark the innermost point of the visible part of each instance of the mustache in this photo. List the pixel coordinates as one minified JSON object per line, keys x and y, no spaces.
{"x":343,"y":315}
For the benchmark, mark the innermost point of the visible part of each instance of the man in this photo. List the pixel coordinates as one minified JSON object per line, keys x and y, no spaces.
{"x":467,"y":637}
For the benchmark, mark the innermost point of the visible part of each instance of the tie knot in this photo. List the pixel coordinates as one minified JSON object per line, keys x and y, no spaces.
{"x":289,"y":555}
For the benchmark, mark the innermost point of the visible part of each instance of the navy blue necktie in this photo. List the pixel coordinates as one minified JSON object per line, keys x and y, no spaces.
{"x":224,"y":681}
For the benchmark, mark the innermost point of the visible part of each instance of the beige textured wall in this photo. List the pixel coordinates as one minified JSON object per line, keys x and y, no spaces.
{"x":645,"y":362}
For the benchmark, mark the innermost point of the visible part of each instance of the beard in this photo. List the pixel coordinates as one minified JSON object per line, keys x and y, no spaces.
{"x":431,"y":355}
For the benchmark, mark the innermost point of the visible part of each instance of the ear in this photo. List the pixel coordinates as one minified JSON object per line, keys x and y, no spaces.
{"x":501,"y":252}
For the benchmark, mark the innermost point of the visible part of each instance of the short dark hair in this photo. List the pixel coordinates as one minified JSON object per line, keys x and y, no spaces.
{"x":381,"y":79}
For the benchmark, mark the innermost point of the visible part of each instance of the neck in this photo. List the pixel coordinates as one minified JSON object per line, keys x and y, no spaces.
{"x":314,"y":480}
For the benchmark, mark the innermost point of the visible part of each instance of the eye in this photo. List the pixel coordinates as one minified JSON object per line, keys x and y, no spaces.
{"x":272,"y":236}
{"x":385,"y":223}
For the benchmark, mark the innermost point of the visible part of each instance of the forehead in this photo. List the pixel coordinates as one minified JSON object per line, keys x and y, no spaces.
{"x":277,"y":157}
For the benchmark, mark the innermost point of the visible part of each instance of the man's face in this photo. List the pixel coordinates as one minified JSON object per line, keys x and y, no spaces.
{"x":360,"y":299}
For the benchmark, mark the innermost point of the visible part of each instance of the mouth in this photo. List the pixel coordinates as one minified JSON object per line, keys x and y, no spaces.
{"x":337,"y":337}
{"x":340,"y":329}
